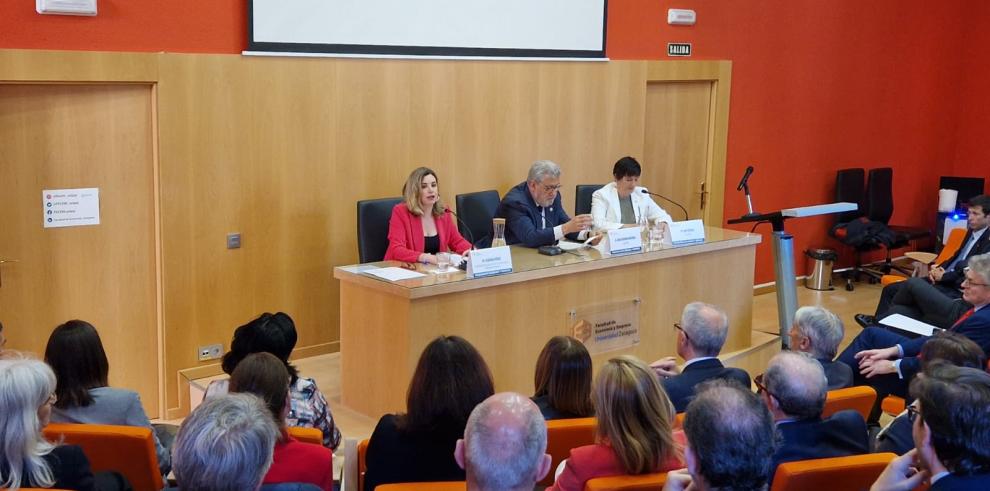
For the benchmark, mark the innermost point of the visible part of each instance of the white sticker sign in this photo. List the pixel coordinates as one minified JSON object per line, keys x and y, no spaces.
{"x":489,"y":262}
{"x":70,"y":207}
{"x":687,"y":232}
{"x":625,"y":240}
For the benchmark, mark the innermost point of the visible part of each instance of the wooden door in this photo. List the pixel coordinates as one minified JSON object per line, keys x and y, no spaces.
{"x":677,"y":144}
{"x":81,"y":136}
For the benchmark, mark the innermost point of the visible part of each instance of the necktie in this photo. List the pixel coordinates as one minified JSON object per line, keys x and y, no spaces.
{"x":961,"y":319}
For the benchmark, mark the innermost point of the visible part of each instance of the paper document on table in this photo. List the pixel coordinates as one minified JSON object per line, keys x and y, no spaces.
{"x":908,"y":324}
{"x":572,"y":246}
{"x":394,"y":274}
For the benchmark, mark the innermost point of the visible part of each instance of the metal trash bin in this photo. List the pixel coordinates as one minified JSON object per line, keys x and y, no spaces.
{"x":819,"y":270}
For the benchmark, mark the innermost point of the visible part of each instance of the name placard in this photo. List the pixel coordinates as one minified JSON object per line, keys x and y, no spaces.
{"x":687,"y":232}
{"x":625,"y":240}
{"x":489,"y":262}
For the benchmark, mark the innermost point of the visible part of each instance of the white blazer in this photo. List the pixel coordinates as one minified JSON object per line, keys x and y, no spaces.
{"x":607,"y":214}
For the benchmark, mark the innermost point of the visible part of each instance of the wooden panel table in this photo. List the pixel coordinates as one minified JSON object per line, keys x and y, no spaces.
{"x":384,"y":326}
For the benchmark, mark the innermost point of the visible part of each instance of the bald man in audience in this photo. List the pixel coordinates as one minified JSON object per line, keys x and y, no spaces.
{"x":951,"y":429}
{"x":700,"y":336}
{"x":730,"y":441}
{"x":504,"y":445}
{"x":794,"y":389}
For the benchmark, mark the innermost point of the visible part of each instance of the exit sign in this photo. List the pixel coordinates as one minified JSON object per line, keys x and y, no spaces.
{"x":678,"y":49}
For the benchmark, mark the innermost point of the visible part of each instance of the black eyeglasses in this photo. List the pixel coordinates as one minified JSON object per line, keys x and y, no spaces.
{"x":677,"y":325}
{"x":913,"y":413}
{"x":761,"y":387}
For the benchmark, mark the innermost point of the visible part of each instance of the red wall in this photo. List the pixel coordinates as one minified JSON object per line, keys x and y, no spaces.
{"x":816,"y":85}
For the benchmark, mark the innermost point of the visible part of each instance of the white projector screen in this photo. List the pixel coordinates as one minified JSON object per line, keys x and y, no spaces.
{"x":502,"y":28}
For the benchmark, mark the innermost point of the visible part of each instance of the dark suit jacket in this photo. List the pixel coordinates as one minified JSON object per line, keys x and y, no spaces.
{"x":844,"y":433}
{"x":839,"y":374}
{"x":395,"y":455}
{"x":680,"y":388}
{"x":976,"y":328}
{"x":70,"y":468}
{"x":980,"y":482}
{"x":523,"y":221}
{"x":953,"y":278}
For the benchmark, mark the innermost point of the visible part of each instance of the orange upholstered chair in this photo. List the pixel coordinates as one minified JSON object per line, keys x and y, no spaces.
{"x":424,"y":486}
{"x":362,"y":462}
{"x":129,"y":450}
{"x":852,"y":473}
{"x":306,"y":435}
{"x":679,"y":420}
{"x":860,"y":398}
{"x":952,"y":244}
{"x":644,"y":482}
{"x":562,"y":436}
{"x":893,"y":405}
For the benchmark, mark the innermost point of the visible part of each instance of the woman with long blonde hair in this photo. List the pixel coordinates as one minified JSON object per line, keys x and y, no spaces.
{"x":635,"y":432}
{"x":421,"y":225}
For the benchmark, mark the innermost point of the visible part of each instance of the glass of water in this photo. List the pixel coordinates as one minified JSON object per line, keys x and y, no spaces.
{"x":443,"y":262}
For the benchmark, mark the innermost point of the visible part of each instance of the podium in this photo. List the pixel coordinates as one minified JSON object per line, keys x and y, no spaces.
{"x":783,"y":256}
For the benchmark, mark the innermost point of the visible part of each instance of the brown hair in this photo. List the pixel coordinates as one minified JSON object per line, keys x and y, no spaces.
{"x":635,"y":416}
{"x":563,"y":374}
{"x":451,"y":378}
{"x":954,"y":348}
{"x":410,"y":190}
{"x":265,"y":376}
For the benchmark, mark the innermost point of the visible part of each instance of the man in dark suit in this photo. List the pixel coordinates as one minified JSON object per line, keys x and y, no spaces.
{"x":700,"y":336}
{"x":887,"y":361}
{"x":914,"y":298}
{"x":818,"y":332}
{"x":794,"y":389}
{"x":951,"y":430}
{"x":532,"y":211}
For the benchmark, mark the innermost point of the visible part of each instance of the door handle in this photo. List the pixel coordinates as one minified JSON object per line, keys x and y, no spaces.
{"x":2,"y":262}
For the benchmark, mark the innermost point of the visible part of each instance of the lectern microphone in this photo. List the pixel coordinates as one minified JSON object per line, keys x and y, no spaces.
{"x":744,"y":182}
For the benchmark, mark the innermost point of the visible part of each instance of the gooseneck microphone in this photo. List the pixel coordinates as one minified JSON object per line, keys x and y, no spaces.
{"x":647,"y":191}
{"x":466,"y":227}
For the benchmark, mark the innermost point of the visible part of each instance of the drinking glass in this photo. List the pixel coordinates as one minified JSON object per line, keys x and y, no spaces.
{"x":443,"y":262}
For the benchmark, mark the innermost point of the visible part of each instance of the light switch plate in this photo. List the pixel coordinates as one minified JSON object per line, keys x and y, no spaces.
{"x":234,"y":241}
{"x":66,"y":7}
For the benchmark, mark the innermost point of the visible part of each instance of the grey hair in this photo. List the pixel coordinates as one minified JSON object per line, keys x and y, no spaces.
{"x":502,"y":456}
{"x":798,"y":383}
{"x":541,"y":169}
{"x":706,"y":327}
{"x":225,"y":444}
{"x":823,"y":328}
{"x":980,"y":264}
{"x":25,"y":385}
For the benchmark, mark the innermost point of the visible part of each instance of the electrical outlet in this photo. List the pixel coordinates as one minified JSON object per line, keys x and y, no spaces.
{"x":210,"y":352}
{"x":234,"y":240}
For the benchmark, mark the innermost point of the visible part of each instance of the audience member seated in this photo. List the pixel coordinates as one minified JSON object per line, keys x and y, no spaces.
{"x":265,"y":376}
{"x":700,"y":336}
{"x":563,"y":379}
{"x":75,"y":353}
{"x":421,"y":226}
{"x":924,"y":298}
{"x":887,"y":361}
{"x":622,"y":202}
{"x":532,"y":211}
{"x":730,"y":441}
{"x":794,"y":389}
{"x":27,"y":393}
{"x":635,"y":428}
{"x":818,"y":332}
{"x":948,"y":347}
{"x":504,"y":446}
{"x":276,"y":334}
{"x":450,"y":379}
{"x":951,"y":429}
{"x":225,"y":444}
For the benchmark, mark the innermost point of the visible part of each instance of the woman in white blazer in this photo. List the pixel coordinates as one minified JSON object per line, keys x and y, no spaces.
{"x":607,"y":203}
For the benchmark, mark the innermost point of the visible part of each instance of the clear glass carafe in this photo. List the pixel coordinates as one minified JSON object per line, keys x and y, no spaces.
{"x":498,"y":232}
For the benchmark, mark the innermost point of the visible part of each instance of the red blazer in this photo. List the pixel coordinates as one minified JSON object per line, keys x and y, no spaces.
{"x":405,"y":235}
{"x":295,"y":461}
{"x":599,"y":460}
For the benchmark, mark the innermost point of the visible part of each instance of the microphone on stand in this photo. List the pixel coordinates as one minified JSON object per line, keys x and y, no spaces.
{"x":647,"y":191}
{"x":466,"y":227}
{"x":744,"y":186}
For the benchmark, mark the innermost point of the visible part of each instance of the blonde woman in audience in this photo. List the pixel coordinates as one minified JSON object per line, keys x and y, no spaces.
{"x":76,"y":355}
{"x":451,"y":378}
{"x":563,"y":379}
{"x":265,"y":376}
{"x":276,"y":334}
{"x":27,"y":392}
{"x":635,"y":428}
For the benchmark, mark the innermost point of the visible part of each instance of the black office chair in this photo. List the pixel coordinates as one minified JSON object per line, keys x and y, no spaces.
{"x":372,"y":227}
{"x":880,"y":206}
{"x":582,"y":197}
{"x":476,"y":211}
{"x":849,"y":187}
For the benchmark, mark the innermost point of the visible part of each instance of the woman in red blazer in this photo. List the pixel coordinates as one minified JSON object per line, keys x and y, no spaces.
{"x":422,"y":226}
